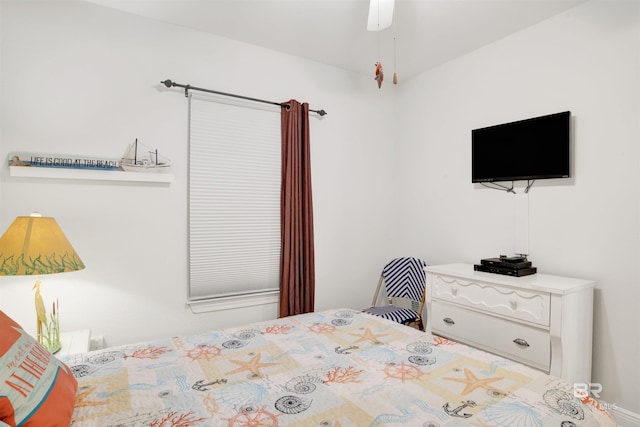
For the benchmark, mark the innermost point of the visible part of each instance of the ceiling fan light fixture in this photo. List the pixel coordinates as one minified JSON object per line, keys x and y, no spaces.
{"x":380,"y":14}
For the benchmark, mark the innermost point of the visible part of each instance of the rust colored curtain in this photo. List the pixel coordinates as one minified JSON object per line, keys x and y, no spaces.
{"x":297,"y":268}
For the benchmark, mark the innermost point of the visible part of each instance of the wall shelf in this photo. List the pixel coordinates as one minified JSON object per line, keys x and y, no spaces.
{"x":90,"y":174}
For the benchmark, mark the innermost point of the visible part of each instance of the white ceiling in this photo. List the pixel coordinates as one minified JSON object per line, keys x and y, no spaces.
{"x":427,"y":32}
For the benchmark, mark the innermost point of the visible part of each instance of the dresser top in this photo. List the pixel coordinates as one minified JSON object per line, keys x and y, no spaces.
{"x":539,"y":282}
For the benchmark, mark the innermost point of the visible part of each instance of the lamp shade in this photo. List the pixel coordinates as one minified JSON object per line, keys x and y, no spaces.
{"x":36,"y":245}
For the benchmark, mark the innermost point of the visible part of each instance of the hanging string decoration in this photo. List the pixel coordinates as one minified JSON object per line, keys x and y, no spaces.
{"x":379,"y":74}
{"x":395,"y":75}
{"x":377,"y":23}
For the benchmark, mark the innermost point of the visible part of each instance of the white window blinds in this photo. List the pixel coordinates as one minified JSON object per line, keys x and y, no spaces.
{"x":234,"y":199}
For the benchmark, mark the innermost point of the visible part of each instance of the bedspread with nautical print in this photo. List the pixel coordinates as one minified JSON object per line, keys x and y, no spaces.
{"x":338,"y":368}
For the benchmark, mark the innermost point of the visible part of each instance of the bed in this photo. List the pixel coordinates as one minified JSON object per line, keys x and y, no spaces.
{"x":334,"y":368}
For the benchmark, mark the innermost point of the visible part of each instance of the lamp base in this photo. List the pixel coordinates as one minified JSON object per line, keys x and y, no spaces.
{"x":50,"y":342}
{"x":48,"y":328}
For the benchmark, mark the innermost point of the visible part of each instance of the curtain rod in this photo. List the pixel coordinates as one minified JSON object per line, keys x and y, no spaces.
{"x":169,"y":83}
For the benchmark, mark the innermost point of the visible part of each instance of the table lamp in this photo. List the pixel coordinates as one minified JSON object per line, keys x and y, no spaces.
{"x":36,"y":245}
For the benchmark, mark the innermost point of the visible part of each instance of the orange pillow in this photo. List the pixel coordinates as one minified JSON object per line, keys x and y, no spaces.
{"x":36,"y":389}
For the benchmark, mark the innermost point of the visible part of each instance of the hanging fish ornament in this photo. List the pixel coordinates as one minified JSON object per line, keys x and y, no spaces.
{"x":379,"y":74}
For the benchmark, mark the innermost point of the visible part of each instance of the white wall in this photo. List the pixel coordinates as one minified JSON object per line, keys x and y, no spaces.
{"x":81,"y":79}
{"x":586,"y":60}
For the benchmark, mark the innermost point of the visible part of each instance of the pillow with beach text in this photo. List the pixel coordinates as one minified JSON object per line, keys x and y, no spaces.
{"x":36,"y":389}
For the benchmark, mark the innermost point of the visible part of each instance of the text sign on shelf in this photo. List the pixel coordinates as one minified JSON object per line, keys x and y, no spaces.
{"x":62,"y":161}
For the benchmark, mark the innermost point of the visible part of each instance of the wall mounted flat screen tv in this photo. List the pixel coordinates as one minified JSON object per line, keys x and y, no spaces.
{"x":536,"y":148}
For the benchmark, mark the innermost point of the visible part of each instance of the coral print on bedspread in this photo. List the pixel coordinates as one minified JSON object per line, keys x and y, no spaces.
{"x":337,"y":368}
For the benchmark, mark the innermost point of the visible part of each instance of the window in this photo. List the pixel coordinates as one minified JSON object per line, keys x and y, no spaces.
{"x":234,"y":202}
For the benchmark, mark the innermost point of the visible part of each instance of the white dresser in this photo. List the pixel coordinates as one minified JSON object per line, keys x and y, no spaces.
{"x":540,"y":320}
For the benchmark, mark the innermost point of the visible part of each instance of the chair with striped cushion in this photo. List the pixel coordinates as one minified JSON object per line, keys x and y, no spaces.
{"x":404,"y":282}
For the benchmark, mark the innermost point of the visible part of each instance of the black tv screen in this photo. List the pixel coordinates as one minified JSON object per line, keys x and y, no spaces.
{"x":535,"y":148}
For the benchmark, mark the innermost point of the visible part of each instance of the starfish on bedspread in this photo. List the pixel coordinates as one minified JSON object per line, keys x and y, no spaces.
{"x":252,"y":365}
{"x":472,"y":382}
{"x":368,"y":336}
{"x":83,"y":396}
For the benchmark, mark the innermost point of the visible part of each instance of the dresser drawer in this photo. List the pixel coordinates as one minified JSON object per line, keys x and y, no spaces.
{"x":523,"y":343}
{"x":530,"y":306}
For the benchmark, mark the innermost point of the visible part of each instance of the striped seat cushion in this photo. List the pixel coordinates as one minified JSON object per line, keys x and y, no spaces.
{"x":397,"y":314}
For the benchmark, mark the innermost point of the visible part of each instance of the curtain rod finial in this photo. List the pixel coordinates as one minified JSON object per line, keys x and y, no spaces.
{"x":167,"y":83}
{"x":322,"y":113}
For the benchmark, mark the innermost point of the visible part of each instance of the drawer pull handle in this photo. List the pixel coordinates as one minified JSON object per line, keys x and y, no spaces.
{"x":454,"y":291}
{"x":514,"y":304}
{"x":448,"y":321}
{"x":521,"y":342}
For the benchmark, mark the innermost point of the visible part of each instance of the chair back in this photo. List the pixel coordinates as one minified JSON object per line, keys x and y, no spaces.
{"x":405,"y":278}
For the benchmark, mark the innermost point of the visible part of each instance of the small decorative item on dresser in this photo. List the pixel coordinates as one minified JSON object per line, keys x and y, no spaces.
{"x":516,"y":266}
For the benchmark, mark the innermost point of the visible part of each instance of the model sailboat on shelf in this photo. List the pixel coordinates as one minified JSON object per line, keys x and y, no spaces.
{"x":139,"y":158}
